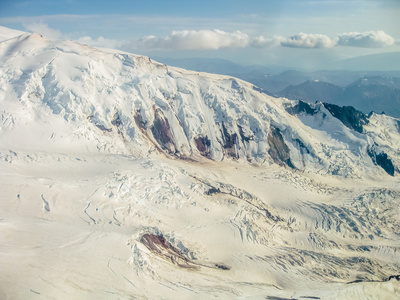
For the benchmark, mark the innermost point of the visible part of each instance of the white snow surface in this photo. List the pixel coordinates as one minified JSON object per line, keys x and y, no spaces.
{"x":86,"y":173}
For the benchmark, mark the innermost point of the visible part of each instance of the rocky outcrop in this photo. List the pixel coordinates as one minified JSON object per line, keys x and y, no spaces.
{"x":162,"y":132}
{"x":203,"y":144}
{"x":278,"y":150}
{"x":117,"y":120}
{"x":301,"y":107}
{"x":160,"y":246}
{"x":139,"y":120}
{"x":348,"y":115}
{"x":98,"y":124}
{"x":243,"y":136}
{"x":381,"y":159}
{"x":229,"y":142}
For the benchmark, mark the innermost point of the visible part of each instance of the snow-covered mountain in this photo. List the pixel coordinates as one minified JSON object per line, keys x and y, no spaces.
{"x":121,"y":103}
{"x":223,"y":190}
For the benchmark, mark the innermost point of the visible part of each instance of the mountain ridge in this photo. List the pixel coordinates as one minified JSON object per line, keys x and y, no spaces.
{"x":132,"y":104}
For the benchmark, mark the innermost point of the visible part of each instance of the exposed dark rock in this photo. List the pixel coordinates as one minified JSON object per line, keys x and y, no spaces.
{"x":396,"y":277}
{"x":213,"y":190}
{"x":98,"y":125}
{"x":118,"y":123}
{"x":117,"y":120}
{"x":159,"y":245}
{"x":203,"y":144}
{"x":156,"y":243}
{"x":349,"y":116}
{"x":243,"y":136}
{"x":301,"y":107}
{"x":229,"y":141}
{"x":303,"y":148}
{"x":162,"y":131}
{"x":385,"y":162}
{"x":278,"y":150}
{"x":222,"y":267}
{"x":103,"y":128}
{"x":381,"y":159}
{"x":235,"y":85}
{"x":279,"y":298}
{"x":139,"y":120}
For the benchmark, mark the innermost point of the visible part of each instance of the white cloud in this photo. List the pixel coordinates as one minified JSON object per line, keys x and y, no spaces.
{"x":369,"y":39}
{"x":43,"y":29}
{"x":53,"y":34}
{"x":100,"y":42}
{"x":308,"y":40}
{"x":217,"y":39}
{"x":196,"y":40}
{"x":262,"y":42}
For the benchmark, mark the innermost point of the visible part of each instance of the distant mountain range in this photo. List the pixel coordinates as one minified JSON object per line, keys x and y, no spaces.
{"x":380,"y":94}
{"x":382,"y":62}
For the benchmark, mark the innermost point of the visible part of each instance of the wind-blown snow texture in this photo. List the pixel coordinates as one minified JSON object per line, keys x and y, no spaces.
{"x":171,"y":183}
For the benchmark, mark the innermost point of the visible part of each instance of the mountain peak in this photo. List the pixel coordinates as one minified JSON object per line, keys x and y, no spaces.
{"x":7,"y":33}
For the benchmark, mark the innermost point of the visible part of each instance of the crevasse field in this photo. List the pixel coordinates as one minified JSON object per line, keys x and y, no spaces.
{"x":123,"y":178}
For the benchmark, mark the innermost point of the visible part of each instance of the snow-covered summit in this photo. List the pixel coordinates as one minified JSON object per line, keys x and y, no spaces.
{"x":7,"y":33}
{"x":65,"y":95}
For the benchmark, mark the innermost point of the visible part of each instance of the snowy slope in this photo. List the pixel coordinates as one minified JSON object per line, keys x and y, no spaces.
{"x":125,"y":178}
{"x":7,"y":33}
{"x":122,"y":103}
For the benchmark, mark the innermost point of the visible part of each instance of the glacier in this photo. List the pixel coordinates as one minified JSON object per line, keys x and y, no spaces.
{"x":125,"y":178}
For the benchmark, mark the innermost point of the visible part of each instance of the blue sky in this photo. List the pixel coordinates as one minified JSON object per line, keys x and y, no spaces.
{"x":284,"y":32}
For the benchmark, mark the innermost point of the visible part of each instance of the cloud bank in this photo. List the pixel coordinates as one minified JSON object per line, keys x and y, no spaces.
{"x":218,"y":39}
{"x":370,"y":39}
{"x":43,"y":29}
{"x":100,"y":42}
{"x":54,"y":34}
{"x":196,"y":40}
{"x":262,"y":42}
{"x":310,"y":40}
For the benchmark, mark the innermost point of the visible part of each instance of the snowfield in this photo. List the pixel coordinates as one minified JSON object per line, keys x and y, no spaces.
{"x":123,"y":178}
